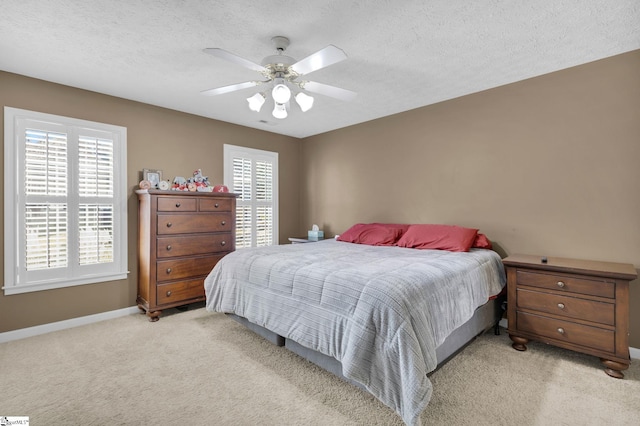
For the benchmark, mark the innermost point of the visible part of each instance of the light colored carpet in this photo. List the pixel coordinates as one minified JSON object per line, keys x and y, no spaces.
{"x":200,"y":368}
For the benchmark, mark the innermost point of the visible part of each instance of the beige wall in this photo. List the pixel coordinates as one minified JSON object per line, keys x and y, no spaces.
{"x":547,"y":166}
{"x":173,"y":142}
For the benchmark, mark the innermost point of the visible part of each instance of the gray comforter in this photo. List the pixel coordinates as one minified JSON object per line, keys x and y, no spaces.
{"x":380,"y":311}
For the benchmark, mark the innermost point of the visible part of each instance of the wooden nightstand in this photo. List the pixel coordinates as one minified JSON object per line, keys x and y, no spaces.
{"x":301,"y":240}
{"x":580,"y":305}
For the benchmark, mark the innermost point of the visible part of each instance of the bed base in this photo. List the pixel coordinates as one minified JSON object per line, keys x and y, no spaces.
{"x":485,"y":317}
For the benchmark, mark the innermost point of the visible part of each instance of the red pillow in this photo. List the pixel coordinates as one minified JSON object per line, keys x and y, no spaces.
{"x":402,"y":226}
{"x":482,"y":242}
{"x":373,"y":234}
{"x":439,"y":237}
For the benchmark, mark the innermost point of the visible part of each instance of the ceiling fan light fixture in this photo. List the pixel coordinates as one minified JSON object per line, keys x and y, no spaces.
{"x":304,"y":101}
{"x":281,"y":93}
{"x":256,"y":101}
{"x":280,"y":111}
{"x":282,"y":74}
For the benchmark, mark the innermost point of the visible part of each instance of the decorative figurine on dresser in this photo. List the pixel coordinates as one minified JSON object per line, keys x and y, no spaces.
{"x":181,"y":236}
{"x":580,"y":305}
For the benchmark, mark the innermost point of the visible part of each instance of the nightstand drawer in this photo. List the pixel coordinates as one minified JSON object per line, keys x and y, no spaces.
{"x":572,"y":307}
{"x":176,"y":269}
{"x":180,"y":291}
{"x":173,"y":246}
{"x":565,"y":331}
{"x":566,"y":283}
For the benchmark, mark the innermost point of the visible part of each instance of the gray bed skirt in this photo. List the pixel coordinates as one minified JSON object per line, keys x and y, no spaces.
{"x":484,"y":318}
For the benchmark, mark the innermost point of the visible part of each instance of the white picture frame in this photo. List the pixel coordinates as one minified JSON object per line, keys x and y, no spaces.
{"x":154,"y":177}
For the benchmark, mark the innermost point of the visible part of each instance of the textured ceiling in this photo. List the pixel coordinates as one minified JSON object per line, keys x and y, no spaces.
{"x":403,"y":54}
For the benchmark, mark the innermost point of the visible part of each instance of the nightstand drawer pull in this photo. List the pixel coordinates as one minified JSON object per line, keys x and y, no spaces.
{"x":178,"y":205}
{"x":560,"y":330}
{"x":168,"y":270}
{"x":560,"y":284}
{"x":223,"y":243}
{"x":169,"y":224}
{"x":561,"y":305}
{"x":168,"y":247}
{"x":216,"y":205}
{"x":168,"y":293}
{"x":224,"y":222}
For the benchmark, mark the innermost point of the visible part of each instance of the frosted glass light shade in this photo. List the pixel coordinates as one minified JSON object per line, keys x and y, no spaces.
{"x":280,"y":111}
{"x":256,"y":101}
{"x":281,"y":94}
{"x":305,"y":101}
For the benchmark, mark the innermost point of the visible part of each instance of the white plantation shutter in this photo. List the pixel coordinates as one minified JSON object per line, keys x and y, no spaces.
{"x":264,"y":203}
{"x":241,"y":184}
{"x":95,"y":183}
{"x":95,"y":167}
{"x":96,"y":223}
{"x":46,"y":236}
{"x":45,"y":163}
{"x":252,"y":174}
{"x":45,"y":185}
{"x":65,"y":202}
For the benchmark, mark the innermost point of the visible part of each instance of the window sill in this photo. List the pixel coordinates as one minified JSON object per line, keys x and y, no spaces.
{"x":29,"y":288}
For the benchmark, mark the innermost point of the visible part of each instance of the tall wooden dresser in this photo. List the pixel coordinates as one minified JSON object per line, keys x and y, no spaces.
{"x":181,"y":236}
{"x":580,"y":305}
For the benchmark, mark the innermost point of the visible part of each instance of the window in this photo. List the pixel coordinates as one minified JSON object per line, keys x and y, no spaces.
{"x":253,"y":174}
{"x":65,"y":201}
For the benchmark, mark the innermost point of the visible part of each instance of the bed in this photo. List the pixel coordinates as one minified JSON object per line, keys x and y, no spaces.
{"x":382,"y":317}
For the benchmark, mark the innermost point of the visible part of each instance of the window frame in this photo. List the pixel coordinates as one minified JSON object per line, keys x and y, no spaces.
{"x":231,"y":151}
{"x":16,"y":278}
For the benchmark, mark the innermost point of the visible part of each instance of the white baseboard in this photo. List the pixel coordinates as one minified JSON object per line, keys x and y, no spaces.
{"x":61,"y":325}
{"x":634,"y":353}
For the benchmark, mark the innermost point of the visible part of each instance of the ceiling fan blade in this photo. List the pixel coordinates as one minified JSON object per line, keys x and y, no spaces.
{"x":230,"y":88}
{"x":231,"y":57}
{"x":321,"y":59}
{"x":331,"y":91}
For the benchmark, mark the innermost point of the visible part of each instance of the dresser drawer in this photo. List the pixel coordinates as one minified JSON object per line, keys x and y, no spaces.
{"x":177,"y":204}
{"x":197,"y":223}
{"x":180,"y":291}
{"x":565,"y":331}
{"x":172,"y":246}
{"x":175,"y":269}
{"x":216,"y":205}
{"x":572,"y":307}
{"x":566,"y":283}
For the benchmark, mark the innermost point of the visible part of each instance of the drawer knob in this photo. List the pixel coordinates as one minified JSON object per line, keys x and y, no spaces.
{"x":216,"y":205}
{"x":560,"y":330}
{"x":223,"y":243}
{"x":169,"y":224}
{"x":168,"y":270}
{"x":168,"y":293}
{"x":169,"y":247}
{"x":178,"y":205}
{"x":561,"y":305}
{"x":560,"y":284}
{"x":224,"y":222}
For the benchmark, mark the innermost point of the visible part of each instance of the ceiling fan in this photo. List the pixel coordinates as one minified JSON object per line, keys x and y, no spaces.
{"x":283,"y":75}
